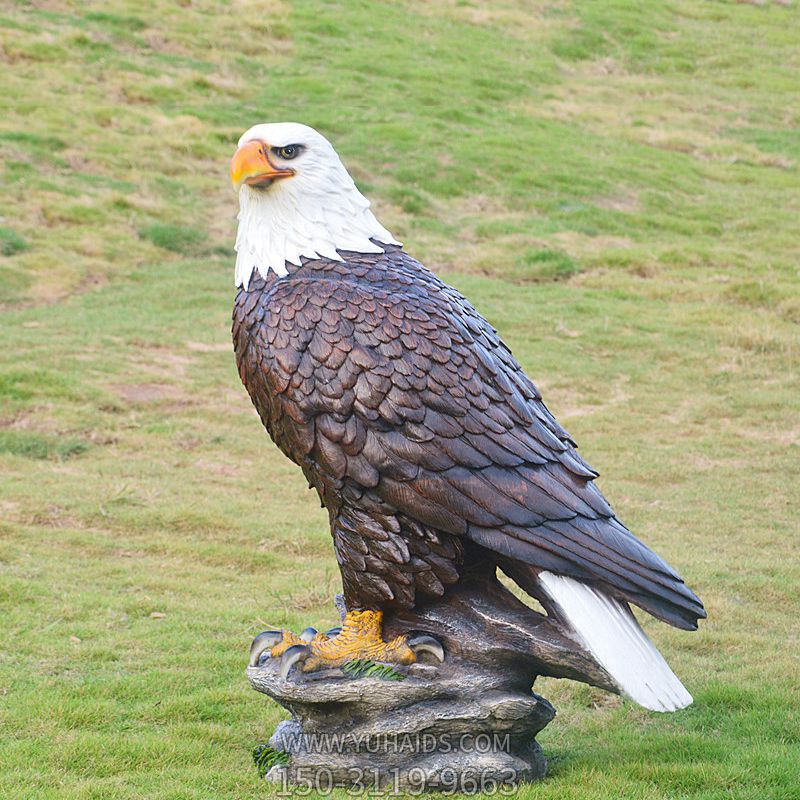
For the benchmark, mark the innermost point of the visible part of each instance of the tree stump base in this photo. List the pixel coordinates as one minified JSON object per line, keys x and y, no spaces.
{"x":448,"y":727}
{"x":467,"y":725}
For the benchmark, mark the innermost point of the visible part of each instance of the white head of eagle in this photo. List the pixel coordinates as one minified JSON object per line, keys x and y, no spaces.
{"x":296,"y":199}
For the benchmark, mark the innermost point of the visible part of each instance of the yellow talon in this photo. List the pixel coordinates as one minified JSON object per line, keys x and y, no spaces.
{"x":284,"y":644}
{"x":359,"y":637}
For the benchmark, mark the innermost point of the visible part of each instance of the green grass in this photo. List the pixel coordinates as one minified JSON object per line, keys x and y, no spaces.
{"x":613,"y":183}
{"x":366,"y":668}
{"x":176,"y":238}
{"x":266,"y":757}
{"x":34,"y":445}
{"x":11,"y":242}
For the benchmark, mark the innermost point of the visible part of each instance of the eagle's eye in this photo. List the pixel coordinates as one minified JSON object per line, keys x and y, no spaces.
{"x":289,"y":152}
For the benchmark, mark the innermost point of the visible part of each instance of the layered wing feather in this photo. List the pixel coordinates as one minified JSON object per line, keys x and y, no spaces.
{"x":403,"y":388}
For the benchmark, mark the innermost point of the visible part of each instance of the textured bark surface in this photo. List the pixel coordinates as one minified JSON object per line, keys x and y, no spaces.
{"x":455,"y":728}
{"x":481,"y":622}
{"x":469,"y":723}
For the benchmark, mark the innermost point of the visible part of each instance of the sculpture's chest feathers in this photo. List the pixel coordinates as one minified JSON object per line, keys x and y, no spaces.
{"x":296,"y":341}
{"x":268,"y":349}
{"x":330,"y":354}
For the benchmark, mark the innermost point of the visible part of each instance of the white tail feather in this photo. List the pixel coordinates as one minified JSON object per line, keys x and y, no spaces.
{"x":608,"y":629}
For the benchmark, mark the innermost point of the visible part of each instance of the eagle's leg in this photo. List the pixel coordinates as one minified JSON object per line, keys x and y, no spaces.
{"x":360,"y":637}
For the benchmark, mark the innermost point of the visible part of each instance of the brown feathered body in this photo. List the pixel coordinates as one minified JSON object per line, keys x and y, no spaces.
{"x":426,"y":442}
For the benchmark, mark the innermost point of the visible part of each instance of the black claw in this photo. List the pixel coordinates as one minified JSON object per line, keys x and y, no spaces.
{"x":308,"y":634}
{"x":427,"y":644}
{"x":295,"y":653}
{"x":265,"y":640}
{"x":331,"y":632}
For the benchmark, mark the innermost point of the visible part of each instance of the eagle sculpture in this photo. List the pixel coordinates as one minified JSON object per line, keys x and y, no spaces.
{"x":430,"y":448}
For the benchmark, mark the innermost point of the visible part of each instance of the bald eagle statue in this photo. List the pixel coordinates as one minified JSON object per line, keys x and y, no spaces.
{"x":430,"y":448}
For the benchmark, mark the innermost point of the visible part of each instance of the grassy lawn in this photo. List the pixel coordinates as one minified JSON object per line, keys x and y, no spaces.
{"x":614,"y":184}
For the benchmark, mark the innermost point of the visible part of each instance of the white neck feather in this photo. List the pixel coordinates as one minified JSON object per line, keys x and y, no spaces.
{"x":314,"y":213}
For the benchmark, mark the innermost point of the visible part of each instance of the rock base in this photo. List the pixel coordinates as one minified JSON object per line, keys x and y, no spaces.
{"x":467,"y":725}
{"x":446,"y":727}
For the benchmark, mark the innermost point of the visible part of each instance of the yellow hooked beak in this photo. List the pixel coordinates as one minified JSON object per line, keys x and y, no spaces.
{"x":251,"y":165}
